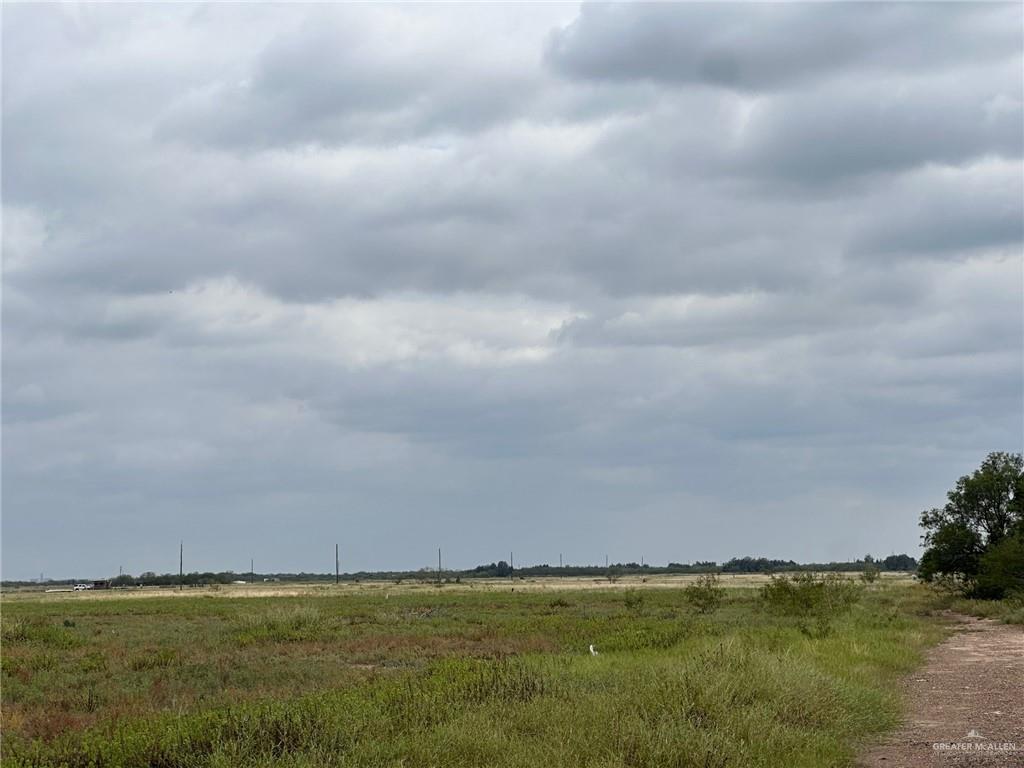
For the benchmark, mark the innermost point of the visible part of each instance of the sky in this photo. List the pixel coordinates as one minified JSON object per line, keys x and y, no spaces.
{"x":675,"y":282}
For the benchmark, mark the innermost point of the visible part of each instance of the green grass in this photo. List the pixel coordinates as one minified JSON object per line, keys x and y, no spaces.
{"x":1008,"y":611}
{"x":451,"y":678}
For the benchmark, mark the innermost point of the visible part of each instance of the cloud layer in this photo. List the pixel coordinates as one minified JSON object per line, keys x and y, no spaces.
{"x":672,"y":281}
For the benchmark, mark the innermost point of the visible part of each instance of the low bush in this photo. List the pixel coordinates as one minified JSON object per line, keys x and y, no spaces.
{"x":815,"y":601}
{"x":705,"y":595}
{"x":870,"y":573}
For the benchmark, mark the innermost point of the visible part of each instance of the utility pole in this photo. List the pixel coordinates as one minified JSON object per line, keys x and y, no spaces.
{"x":181,"y":565}
{"x":252,"y":571}
{"x":559,"y":559}
{"x":337,"y":561}
{"x":511,"y":566}
{"x":438,"y":565}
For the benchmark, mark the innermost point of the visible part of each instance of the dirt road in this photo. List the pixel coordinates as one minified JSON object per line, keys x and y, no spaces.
{"x":965,"y":705}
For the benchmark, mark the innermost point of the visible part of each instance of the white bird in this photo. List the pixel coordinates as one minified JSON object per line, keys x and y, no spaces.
{"x":592,"y":651}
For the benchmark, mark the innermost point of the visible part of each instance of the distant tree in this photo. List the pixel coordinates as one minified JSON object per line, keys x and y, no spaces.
{"x":899,"y":563}
{"x":757,"y":565}
{"x":984,"y":509}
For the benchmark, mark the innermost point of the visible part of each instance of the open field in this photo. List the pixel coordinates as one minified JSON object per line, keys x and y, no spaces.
{"x":466,"y":675}
{"x":364,"y":588}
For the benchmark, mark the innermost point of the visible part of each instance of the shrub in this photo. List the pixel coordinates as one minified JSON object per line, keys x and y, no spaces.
{"x":870,"y":573}
{"x":705,"y":595}
{"x":813,"y":600}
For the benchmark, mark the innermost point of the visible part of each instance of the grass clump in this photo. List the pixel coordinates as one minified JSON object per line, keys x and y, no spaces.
{"x":291,"y":624}
{"x":155,"y":658}
{"x":39,"y":632}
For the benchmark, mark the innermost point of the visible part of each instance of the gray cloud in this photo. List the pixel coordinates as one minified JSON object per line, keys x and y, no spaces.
{"x":947,"y":213}
{"x":771,"y":46}
{"x":833,"y":132}
{"x":678,"y":281}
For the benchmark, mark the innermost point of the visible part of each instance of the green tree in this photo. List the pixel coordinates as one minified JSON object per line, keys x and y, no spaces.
{"x":953,"y":554}
{"x":984,"y":509}
{"x":1001,"y":569}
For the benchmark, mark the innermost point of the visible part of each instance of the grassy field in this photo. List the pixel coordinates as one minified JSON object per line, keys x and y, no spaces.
{"x":457,"y":676}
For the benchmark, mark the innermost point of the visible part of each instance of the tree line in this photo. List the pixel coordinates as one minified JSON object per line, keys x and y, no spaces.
{"x":502,"y":569}
{"x":974,"y":545}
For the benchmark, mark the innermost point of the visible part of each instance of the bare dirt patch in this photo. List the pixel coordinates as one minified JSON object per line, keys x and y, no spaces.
{"x":965,"y":706}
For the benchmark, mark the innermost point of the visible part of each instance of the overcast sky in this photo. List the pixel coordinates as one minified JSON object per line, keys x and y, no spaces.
{"x":666,"y":281}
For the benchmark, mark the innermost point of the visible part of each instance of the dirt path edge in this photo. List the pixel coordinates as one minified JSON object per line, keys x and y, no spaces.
{"x":964,"y":706}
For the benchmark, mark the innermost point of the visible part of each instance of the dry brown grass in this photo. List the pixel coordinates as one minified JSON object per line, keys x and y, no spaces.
{"x":382,"y":588}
